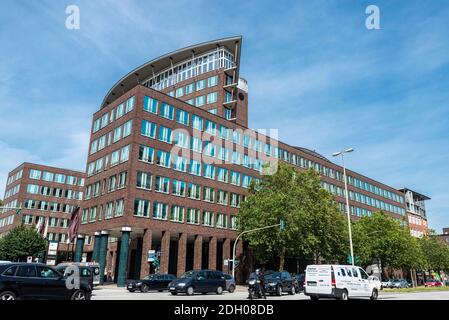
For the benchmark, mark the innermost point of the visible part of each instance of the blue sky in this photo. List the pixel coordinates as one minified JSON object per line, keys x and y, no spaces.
{"x":314,"y":71}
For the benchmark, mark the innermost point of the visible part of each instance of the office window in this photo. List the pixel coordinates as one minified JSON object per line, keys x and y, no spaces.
{"x":222,"y":174}
{"x":60,"y":178}
{"x":197,"y":122}
{"x":141,"y":208}
{"x":33,"y":189}
{"x":196,"y":144}
{"x":150,"y":104}
{"x":115,"y":157}
{"x":224,"y":132}
{"x":127,"y":128}
{"x":102,"y":142}
{"x":160,"y":211}
{"x":146,"y":154}
{"x":129,"y":104}
{"x":104,"y":120}
{"x":236,"y":137}
{"x":179,"y":188}
{"x":200,"y":85}
{"x":148,"y":129}
{"x":208,"y":218}
{"x":171,"y":93}
{"x":167,"y":111}
{"x":223,"y":154}
{"x":235,"y":178}
{"x":209,"y":194}
{"x":209,"y":171}
{"x":200,"y":101}
{"x":210,"y":149}
{"x":124,"y":155}
{"x":47,"y":176}
{"x":162,"y":184}
{"x":233,"y":222}
{"x":190,"y":88}
{"x":182,"y":117}
{"x":99,"y":165}
{"x":222,"y":197}
{"x":213,"y":111}
{"x":163,"y":159}
{"x":93,"y":146}
{"x":180,"y":164}
{"x":211,"y":127}
{"x":143,"y":180}
{"x":212,"y":97}
{"x":193,"y":216}
{"x":212,"y":81}
{"x":194,"y":191}
{"x":195,"y":167}
{"x":35,"y":174}
{"x":165,"y":134}
{"x":228,"y":113}
{"x":182,"y":139}
{"x":235,"y":200}
{"x":246,"y":181}
{"x":247,"y":161}
{"x":177,"y":213}
{"x":117,"y":134}
{"x":221,"y":220}
{"x":191,"y":102}
{"x":236,"y":156}
{"x":179,"y":92}
{"x":122,"y":179}
{"x":120,"y":110}
{"x":119,"y":207}
{"x":97,"y":124}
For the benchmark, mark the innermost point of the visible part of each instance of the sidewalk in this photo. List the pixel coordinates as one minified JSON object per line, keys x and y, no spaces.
{"x":113,"y":286}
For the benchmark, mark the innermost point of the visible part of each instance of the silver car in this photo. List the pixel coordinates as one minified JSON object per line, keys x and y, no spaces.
{"x":230,"y":283}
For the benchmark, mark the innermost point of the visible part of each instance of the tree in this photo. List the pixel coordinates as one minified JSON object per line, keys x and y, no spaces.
{"x":380,"y":236}
{"x":1,"y":203}
{"x":436,"y":254}
{"x":20,"y":243}
{"x":313,"y":222}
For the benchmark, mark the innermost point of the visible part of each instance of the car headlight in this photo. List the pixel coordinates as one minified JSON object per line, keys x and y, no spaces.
{"x":251,"y":282}
{"x":182,"y":284}
{"x":272,"y":284}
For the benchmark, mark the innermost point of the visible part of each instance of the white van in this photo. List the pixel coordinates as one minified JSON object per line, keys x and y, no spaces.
{"x":338,"y":281}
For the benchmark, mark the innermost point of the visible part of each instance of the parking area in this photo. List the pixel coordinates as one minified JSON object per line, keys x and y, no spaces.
{"x":241,"y":293}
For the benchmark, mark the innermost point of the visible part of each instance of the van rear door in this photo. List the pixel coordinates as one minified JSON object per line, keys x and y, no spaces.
{"x":318,"y":279}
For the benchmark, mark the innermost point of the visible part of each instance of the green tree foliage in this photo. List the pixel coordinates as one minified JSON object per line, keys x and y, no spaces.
{"x":380,"y":236}
{"x":314,"y":224}
{"x":20,"y":243}
{"x":436,"y":254}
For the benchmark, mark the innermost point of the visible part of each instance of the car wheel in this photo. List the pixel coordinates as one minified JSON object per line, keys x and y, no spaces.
{"x":8,"y":295}
{"x":279,"y":291}
{"x":190,"y":291}
{"x":174,"y":293}
{"x":131,"y":290}
{"x":293,"y":291}
{"x":219,"y":290}
{"x":344,"y":295}
{"x":374,"y":295}
{"x":144,"y":288}
{"x":231,"y":288}
{"x":314,"y":298}
{"x":79,"y":295}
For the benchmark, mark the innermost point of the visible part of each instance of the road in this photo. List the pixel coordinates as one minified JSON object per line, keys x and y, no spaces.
{"x":114,"y":293}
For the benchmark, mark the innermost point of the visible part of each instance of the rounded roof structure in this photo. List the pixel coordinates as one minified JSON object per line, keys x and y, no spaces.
{"x":163,"y":62}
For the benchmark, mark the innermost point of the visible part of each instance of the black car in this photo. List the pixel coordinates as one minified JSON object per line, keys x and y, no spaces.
{"x":86,"y":272}
{"x":203,"y":281}
{"x":277,"y":282}
{"x":299,"y":281}
{"x":157,"y":282}
{"x":40,"y":282}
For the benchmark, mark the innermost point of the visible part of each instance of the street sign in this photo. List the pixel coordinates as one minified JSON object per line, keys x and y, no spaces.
{"x":225,"y":262}
{"x":151,"y":255}
{"x":356,"y":258}
{"x":282,"y":225}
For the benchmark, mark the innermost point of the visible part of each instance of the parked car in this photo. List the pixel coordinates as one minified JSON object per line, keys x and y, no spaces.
{"x":387,"y":283}
{"x":433,"y":283}
{"x":87,"y":273}
{"x":203,"y":281}
{"x":299,"y":281}
{"x":230,"y":283}
{"x":399,"y":284}
{"x":375,"y":280}
{"x":338,"y":281}
{"x":277,"y":282}
{"x":39,"y":282}
{"x":157,"y":282}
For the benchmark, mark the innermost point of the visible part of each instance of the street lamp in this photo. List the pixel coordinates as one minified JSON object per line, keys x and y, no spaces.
{"x":342,"y":153}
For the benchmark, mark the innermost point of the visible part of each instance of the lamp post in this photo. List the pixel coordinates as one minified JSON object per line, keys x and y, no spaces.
{"x":342,"y":154}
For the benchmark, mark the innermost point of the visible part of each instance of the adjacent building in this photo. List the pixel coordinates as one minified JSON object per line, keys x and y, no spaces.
{"x":171,"y":158}
{"x":416,"y":212}
{"x":47,"y":197}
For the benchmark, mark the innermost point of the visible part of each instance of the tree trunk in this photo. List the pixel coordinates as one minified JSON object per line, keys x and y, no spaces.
{"x":282,"y":259}
{"x":317,"y":258}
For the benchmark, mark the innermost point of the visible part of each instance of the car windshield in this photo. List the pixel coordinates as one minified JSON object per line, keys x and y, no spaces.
{"x":273,"y":275}
{"x":188,"y":274}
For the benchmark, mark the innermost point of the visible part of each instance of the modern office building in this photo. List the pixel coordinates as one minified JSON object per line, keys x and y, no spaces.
{"x":171,"y":158}
{"x":47,"y":196}
{"x":416,"y":212}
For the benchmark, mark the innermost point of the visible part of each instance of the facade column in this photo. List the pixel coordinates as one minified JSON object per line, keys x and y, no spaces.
{"x":213,"y":253}
{"x":146,"y":245}
{"x":182,"y":252}
{"x":138,"y":257}
{"x":197,"y":252}
{"x":226,"y":255}
{"x":123,"y":258}
{"x":165,"y":252}
{"x":238,"y":256}
{"x":95,"y":253}
{"x":79,"y":248}
{"x":102,"y":252}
